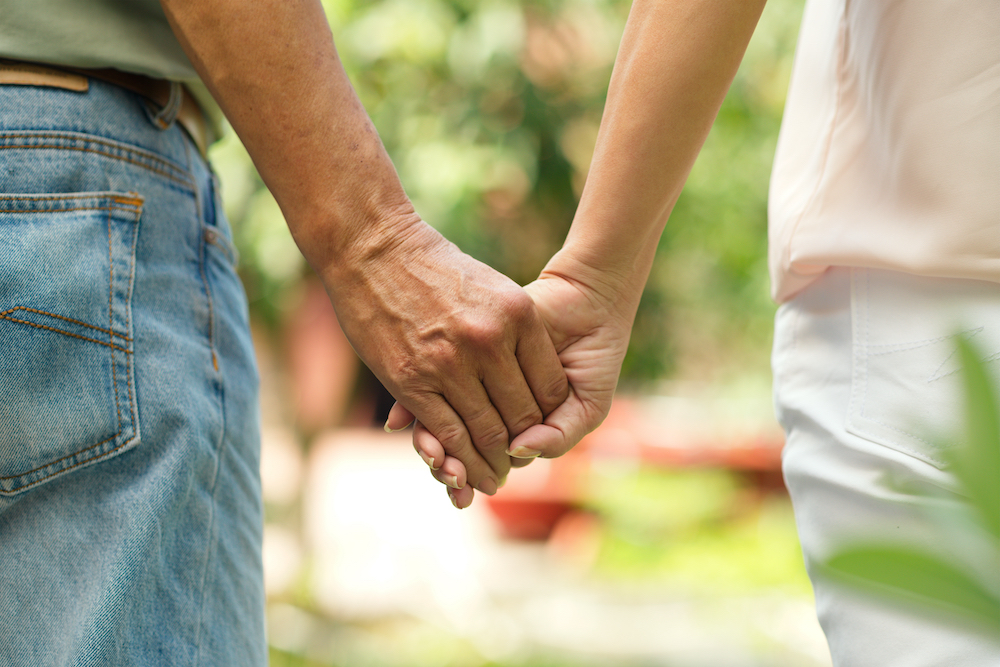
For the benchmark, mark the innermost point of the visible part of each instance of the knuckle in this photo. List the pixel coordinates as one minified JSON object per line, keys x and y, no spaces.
{"x":492,"y":437}
{"x":408,"y":375}
{"x":525,"y":422}
{"x":519,"y":305}
{"x":554,"y":391}
{"x":442,"y":357}
{"x":452,"y":437}
{"x":485,"y":332}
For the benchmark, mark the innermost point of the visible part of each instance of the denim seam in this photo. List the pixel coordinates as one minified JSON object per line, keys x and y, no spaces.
{"x":187,"y":182}
{"x":75,"y":465}
{"x":28,"y":472}
{"x":86,"y":138}
{"x":111,"y":321}
{"x":114,"y":374}
{"x":202,"y":259}
{"x":105,"y":154}
{"x":221,"y":449}
{"x":134,"y":202}
{"x":129,"y":358}
{"x":5,"y":315}
{"x":58,"y":210}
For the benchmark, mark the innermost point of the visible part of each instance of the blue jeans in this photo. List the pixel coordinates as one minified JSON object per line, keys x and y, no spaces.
{"x":130,"y":508}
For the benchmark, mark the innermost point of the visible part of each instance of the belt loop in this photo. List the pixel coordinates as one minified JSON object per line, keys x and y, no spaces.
{"x":168,"y":114}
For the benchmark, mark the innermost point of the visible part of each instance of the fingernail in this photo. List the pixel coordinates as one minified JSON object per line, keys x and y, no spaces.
{"x":522,"y":452}
{"x":488,"y":486}
{"x":453,"y":501}
{"x":428,"y":460}
{"x":452,"y":481}
{"x":386,"y":427}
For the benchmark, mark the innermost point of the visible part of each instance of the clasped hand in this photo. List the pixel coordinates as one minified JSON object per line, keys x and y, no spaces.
{"x":589,"y":333}
{"x":461,"y":346}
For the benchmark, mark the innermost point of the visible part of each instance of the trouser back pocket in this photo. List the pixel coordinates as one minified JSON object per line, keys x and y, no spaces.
{"x":906,"y":389}
{"x":67,"y":394}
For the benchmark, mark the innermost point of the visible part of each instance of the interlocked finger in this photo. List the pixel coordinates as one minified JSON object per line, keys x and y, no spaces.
{"x":488,"y":435}
{"x":457,"y":434}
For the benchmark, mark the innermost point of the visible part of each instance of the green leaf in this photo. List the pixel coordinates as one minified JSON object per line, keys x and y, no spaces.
{"x":977,"y":464}
{"x":905,"y":575}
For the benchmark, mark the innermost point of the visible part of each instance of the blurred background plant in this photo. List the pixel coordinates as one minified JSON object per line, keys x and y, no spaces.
{"x":490,"y":109}
{"x":666,"y":538}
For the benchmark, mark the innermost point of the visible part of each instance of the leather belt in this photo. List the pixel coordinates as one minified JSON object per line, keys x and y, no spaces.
{"x":158,"y":91}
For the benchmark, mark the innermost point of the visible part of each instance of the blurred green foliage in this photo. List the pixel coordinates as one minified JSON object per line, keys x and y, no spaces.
{"x":708,"y":531}
{"x":490,"y":108}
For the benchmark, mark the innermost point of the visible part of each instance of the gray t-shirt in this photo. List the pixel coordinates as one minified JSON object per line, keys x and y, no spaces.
{"x":129,"y":35}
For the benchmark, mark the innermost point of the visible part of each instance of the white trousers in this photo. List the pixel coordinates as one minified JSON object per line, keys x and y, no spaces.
{"x":867,"y":388}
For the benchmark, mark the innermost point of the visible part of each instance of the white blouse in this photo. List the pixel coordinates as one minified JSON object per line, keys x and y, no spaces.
{"x":889,"y":152}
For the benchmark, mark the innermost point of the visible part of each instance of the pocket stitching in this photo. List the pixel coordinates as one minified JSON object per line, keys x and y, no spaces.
{"x":861,"y":352}
{"x":4,"y":316}
{"x":63,"y":458}
{"x":131,"y":154}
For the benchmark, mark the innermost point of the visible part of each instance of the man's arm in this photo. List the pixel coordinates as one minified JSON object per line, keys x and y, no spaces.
{"x":676,"y":61}
{"x":458,"y":344}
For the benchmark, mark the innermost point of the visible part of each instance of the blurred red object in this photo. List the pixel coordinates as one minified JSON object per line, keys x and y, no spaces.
{"x":538,"y":497}
{"x":527,"y":518}
{"x":321,"y":364}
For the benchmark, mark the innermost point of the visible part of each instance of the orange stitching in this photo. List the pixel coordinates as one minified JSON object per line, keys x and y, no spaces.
{"x":111,"y":322}
{"x":65,"y":333}
{"x":75,"y":465}
{"x":128,"y":201}
{"x":131,"y":400}
{"x":22,"y":474}
{"x":60,"y":210}
{"x":105,"y":154}
{"x":128,"y":327}
{"x":5,"y":313}
{"x":203,"y":252}
{"x":90,"y":139}
{"x":211,"y":314}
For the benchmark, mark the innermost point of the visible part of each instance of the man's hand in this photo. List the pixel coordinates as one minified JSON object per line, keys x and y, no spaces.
{"x":590,"y":333}
{"x":460,"y":345}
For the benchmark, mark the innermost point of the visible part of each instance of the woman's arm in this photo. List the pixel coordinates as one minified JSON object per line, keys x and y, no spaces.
{"x":676,"y":61}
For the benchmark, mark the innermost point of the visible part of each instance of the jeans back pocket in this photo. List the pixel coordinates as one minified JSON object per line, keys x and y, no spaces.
{"x":67,"y":393}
